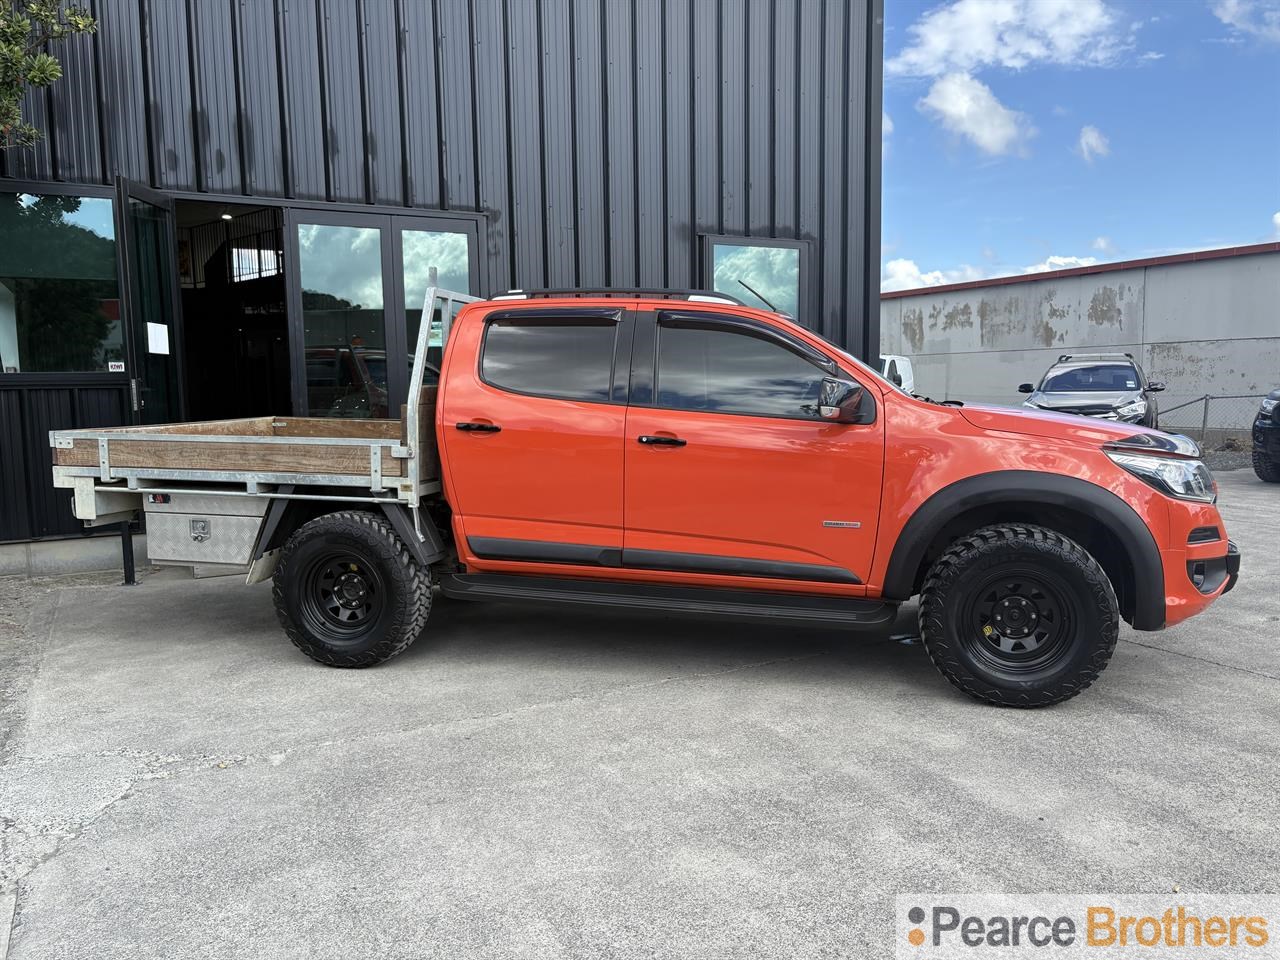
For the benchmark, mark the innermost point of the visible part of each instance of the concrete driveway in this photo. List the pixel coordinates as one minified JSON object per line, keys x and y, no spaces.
{"x":179,"y":782}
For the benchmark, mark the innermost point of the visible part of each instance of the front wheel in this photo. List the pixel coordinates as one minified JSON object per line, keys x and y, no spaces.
{"x":348,"y":592}
{"x":1019,"y":616}
{"x":1268,"y":470}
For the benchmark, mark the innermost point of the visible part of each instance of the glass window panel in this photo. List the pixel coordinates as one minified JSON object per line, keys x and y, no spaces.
{"x":723,"y":372}
{"x":343,"y":320}
{"x":59,"y":295}
{"x":449,"y":256}
{"x":570,"y":360}
{"x":772,"y":272}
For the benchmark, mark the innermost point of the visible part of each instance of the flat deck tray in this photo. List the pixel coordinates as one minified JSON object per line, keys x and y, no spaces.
{"x":259,"y":445}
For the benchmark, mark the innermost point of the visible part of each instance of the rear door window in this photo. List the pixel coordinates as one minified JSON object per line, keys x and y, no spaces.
{"x":568,"y":358}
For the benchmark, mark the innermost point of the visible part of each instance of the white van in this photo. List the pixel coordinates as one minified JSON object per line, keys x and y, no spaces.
{"x":897,"y":370}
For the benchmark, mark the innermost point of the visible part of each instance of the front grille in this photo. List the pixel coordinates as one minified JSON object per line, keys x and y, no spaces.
{"x":1096,"y":410}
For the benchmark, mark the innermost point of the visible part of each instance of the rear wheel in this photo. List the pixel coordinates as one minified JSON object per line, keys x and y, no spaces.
{"x":1019,"y":616}
{"x":1266,"y":468}
{"x":347,"y":591}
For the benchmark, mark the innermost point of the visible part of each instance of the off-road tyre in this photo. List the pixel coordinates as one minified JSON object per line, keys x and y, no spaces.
{"x":1267,"y":469}
{"x":1052,"y":585}
{"x":348,"y":592}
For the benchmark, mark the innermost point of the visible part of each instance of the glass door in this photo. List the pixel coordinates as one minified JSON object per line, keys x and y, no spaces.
{"x":356,"y":286}
{"x":427,"y":256}
{"x":338,"y":296}
{"x":148,"y":250}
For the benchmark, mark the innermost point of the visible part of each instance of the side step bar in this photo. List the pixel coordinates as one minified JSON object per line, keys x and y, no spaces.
{"x":777,"y":607}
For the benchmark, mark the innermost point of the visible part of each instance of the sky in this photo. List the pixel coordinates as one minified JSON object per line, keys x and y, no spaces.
{"x":1026,"y":135}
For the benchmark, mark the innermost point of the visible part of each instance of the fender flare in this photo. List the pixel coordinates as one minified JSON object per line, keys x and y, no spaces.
{"x":1034,"y":488}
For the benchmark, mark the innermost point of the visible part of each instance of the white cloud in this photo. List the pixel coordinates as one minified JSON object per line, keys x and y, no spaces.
{"x":904,"y":274}
{"x":1257,"y":18}
{"x":886,"y":124}
{"x":967,"y":35}
{"x":1093,"y":143}
{"x":966,"y":106}
{"x":1275,"y":222}
{"x":1102,"y":244}
{"x":1060,"y":263}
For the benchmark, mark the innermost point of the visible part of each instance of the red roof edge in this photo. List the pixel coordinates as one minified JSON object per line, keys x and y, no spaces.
{"x":1093,"y":268}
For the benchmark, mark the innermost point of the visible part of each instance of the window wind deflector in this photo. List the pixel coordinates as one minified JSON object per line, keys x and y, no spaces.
{"x":558,"y":315}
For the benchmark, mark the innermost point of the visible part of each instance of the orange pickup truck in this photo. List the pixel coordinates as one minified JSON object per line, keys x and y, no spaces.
{"x":672,"y":451}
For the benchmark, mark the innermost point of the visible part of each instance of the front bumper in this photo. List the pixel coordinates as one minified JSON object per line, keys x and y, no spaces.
{"x":1266,"y":437}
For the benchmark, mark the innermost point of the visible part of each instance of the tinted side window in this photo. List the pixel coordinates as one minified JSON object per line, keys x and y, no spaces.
{"x":571,"y":359}
{"x":728,"y":372}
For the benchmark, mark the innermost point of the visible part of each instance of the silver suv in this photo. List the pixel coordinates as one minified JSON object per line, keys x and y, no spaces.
{"x":1110,"y":386}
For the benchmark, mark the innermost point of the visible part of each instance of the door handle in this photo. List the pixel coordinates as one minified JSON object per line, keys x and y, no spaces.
{"x":656,"y":441}
{"x":474,"y":427}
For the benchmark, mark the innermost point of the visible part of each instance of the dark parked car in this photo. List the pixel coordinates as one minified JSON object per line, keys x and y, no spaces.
{"x":1110,"y":386}
{"x":1266,"y":439}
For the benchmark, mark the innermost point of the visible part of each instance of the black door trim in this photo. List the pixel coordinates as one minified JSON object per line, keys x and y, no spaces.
{"x":735,"y":566}
{"x":545,"y":551}
{"x":583,"y":554}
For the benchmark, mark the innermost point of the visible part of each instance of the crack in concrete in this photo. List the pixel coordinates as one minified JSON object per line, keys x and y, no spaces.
{"x":1192,"y":656}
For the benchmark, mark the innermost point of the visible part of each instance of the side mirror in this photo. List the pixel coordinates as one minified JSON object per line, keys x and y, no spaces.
{"x":1026,"y":388}
{"x":896,"y":378}
{"x":841,"y":401}
{"x":1155,"y":386}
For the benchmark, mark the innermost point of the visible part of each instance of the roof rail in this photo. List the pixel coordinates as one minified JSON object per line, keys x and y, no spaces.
{"x":708,"y":295}
{"x":1063,"y":358}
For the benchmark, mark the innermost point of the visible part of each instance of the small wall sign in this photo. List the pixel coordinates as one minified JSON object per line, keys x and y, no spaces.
{"x":115,"y":366}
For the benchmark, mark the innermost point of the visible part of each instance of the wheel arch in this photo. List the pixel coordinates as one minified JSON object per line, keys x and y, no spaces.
{"x":1094,"y":517}
{"x":284,"y":516}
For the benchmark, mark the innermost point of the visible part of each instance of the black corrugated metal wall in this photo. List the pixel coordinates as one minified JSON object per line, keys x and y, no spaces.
{"x":600,"y":137}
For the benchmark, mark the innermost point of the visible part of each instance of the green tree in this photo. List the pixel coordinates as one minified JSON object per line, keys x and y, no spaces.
{"x":27,"y":28}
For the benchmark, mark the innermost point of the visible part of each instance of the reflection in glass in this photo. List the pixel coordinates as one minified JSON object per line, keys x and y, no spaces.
{"x":573,"y":361}
{"x":772,"y":272}
{"x":719,"y":371}
{"x":343,"y":320}
{"x":59,"y":297}
{"x":427,"y":255}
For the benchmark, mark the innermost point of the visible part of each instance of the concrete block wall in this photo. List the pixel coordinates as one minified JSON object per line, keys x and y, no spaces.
{"x":1202,"y":326}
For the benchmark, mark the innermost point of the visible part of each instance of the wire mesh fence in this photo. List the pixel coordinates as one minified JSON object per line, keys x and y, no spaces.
{"x":1216,"y":423}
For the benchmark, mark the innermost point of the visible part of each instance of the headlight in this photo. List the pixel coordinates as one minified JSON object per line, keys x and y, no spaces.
{"x":1184,"y":479}
{"x":1135,"y":409}
{"x":1267,"y":406}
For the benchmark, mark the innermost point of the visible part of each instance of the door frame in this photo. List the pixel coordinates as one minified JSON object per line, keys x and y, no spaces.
{"x":126,"y":190}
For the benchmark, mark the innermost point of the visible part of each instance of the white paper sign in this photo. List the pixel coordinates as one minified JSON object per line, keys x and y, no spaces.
{"x":157,"y":338}
{"x":115,"y":366}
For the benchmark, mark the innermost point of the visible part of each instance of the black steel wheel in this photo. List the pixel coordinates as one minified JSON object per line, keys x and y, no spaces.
{"x":347,"y":591}
{"x":1019,"y":616}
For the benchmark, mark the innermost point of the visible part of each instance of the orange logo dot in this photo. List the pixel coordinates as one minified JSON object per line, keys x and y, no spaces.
{"x":916,"y":937}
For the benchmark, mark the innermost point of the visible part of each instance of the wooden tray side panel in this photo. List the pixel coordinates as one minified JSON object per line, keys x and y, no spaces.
{"x":233,"y":457}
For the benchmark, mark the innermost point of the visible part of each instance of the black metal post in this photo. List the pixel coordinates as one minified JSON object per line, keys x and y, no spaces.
{"x":126,"y":552}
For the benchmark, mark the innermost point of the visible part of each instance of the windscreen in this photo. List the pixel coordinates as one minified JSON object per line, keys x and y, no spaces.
{"x":1103,"y":377}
